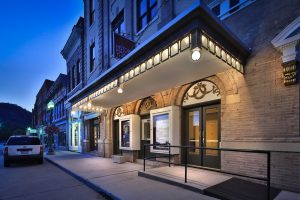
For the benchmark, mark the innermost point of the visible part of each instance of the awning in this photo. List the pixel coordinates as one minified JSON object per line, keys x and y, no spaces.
{"x":165,"y":61}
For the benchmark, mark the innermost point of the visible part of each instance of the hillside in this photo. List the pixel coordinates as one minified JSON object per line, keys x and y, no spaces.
{"x":13,"y":120}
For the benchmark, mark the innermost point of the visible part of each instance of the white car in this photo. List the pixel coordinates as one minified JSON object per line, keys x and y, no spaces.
{"x":23,"y":147}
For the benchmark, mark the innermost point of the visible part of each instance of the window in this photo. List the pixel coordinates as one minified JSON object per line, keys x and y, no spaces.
{"x":78,"y":71}
{"x":146,"y":11}
{"x":92,"y":12}
{"x":70,"y":82}
{"x":118,"y":25}
{"x":92,"y":57}
{"x":233,"y":3}
{"x":226,"y":8}
{"x":73,"y":77}
{"x":216,"y":10}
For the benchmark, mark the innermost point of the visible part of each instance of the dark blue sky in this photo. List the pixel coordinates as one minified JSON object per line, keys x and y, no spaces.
{"x":32,"y":34}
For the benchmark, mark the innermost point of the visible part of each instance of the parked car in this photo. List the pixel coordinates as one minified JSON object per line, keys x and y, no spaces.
{"x":19,"y":148}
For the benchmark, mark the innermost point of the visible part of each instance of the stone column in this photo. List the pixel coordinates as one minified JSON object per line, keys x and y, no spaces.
{"x":101,"y":140}
{"x":108,"y":133}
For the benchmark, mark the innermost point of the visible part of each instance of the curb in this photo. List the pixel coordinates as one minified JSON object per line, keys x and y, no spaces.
{"x":105,"y":193}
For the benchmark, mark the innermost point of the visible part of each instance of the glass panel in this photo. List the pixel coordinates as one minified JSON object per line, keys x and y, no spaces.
{"x":212,"y":130}
{"x":153,"y":12}
{"x":143,"y":7}
{"x":75,"y":128}
{"x":144,"y":21}
{"x":125,"y":134}
{"x":161,"y":130}
{"x":194,"y":131}
{"x":146,"y":129}
{"x":152,"y":2}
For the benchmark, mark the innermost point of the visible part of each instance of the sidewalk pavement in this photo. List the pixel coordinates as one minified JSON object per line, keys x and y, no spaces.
{"x":118,"y":181}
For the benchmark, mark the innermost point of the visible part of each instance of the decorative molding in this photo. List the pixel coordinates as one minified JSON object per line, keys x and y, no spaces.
{"x":287,"y":42}
{"x":119,"y":112}
{"x":290,"y":72}
{"x":147,"y":105}
{"x":201,"y":91}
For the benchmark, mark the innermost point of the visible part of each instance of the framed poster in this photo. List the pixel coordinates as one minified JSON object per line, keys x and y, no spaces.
{"x":125,"y":133}
{"x":161,"y":130}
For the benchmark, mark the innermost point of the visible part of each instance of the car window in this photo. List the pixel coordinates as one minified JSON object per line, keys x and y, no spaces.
{"x":23,"y":141}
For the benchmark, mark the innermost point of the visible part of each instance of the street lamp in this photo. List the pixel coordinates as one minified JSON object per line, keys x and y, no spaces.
{"x":50,"y":107}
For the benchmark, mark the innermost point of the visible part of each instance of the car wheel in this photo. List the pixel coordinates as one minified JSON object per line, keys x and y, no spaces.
{"x":41,"y":160}
{"x":6,"y":163}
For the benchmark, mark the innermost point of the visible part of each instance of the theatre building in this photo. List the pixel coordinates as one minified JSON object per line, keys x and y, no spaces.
{"x":213,"y":74}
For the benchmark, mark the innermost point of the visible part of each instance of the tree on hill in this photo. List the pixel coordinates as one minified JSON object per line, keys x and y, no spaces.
{"x":13,"y":120}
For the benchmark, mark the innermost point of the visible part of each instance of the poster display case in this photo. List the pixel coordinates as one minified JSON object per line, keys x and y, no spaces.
{"x":129,"y":132}
{"x":165,"y":129}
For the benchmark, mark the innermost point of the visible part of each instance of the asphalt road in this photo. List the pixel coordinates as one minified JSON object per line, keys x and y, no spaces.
{"x":33,"y":181}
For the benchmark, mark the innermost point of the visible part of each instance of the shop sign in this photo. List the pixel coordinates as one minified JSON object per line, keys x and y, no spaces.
{"x":122,"y":45}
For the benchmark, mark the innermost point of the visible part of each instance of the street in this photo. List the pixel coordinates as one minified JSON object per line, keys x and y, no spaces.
{"x":33,"y":181}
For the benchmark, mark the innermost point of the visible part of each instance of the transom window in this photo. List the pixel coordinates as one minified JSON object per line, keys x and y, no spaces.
{"x":146,"y":11}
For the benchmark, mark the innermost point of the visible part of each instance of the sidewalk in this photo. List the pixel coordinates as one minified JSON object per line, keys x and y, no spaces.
{"x":118,"y":181}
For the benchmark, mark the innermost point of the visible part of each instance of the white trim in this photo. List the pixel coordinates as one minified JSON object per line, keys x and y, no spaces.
{"x":281,"y":38}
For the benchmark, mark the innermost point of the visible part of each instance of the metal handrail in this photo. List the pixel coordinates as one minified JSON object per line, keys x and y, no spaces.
{"x":267,"y":179}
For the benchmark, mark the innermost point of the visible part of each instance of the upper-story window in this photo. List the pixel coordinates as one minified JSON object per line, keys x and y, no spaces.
{"x":78,"y":67}
{"x":225,"y":8}
{"x":92,"y":11}
{"x":146,"y":11}
{"x":118,"y":26}
{"x":70,"y":82}
{"x":92,"y":56}
{"x":73,"y":77}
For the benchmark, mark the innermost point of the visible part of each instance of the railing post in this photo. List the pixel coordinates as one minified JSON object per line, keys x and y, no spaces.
{"x":185,"y":164}
{"x":269,"y":176}
{"x":169,"y":155}
{"x":144,"y":157}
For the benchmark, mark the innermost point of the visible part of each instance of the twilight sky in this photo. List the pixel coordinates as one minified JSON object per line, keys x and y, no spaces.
{"x":33,"y":32}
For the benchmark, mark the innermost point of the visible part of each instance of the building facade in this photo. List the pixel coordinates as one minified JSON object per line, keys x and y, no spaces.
{"x":214,"y":74}
{"x":55,"y":91}
{"x":40,"y":117}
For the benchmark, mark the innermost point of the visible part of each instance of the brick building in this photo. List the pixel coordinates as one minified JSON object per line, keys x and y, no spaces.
{"x":55,"y":91}
{"x":39,"y":112}
{"x":216,"y":74}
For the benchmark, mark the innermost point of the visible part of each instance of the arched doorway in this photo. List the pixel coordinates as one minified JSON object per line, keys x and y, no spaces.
{"x":201,"y":106}
{"x":119,"y":112}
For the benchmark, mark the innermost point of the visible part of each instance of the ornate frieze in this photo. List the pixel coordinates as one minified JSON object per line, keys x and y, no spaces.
{"x":201,"y":91}
{"x":290,"y":72}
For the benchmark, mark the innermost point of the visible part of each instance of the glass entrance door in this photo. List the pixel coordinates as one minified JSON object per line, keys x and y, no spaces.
{"x":203,"y":130}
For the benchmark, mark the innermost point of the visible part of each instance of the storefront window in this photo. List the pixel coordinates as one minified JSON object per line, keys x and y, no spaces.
{"x":161,"y":130}
{"x":125,"y":139}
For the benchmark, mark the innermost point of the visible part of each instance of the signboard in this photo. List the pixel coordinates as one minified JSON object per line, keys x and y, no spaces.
{"x":161,"y":129}
{"x":125,"y":134}
{"x":122,"y":45}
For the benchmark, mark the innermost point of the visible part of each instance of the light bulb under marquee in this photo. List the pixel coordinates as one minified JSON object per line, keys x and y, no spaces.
{"x":120,"y":90}
{"x":196,"y":54}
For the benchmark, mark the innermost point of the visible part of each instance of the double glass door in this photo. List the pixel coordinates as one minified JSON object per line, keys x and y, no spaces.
{"x":203,"y":130}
